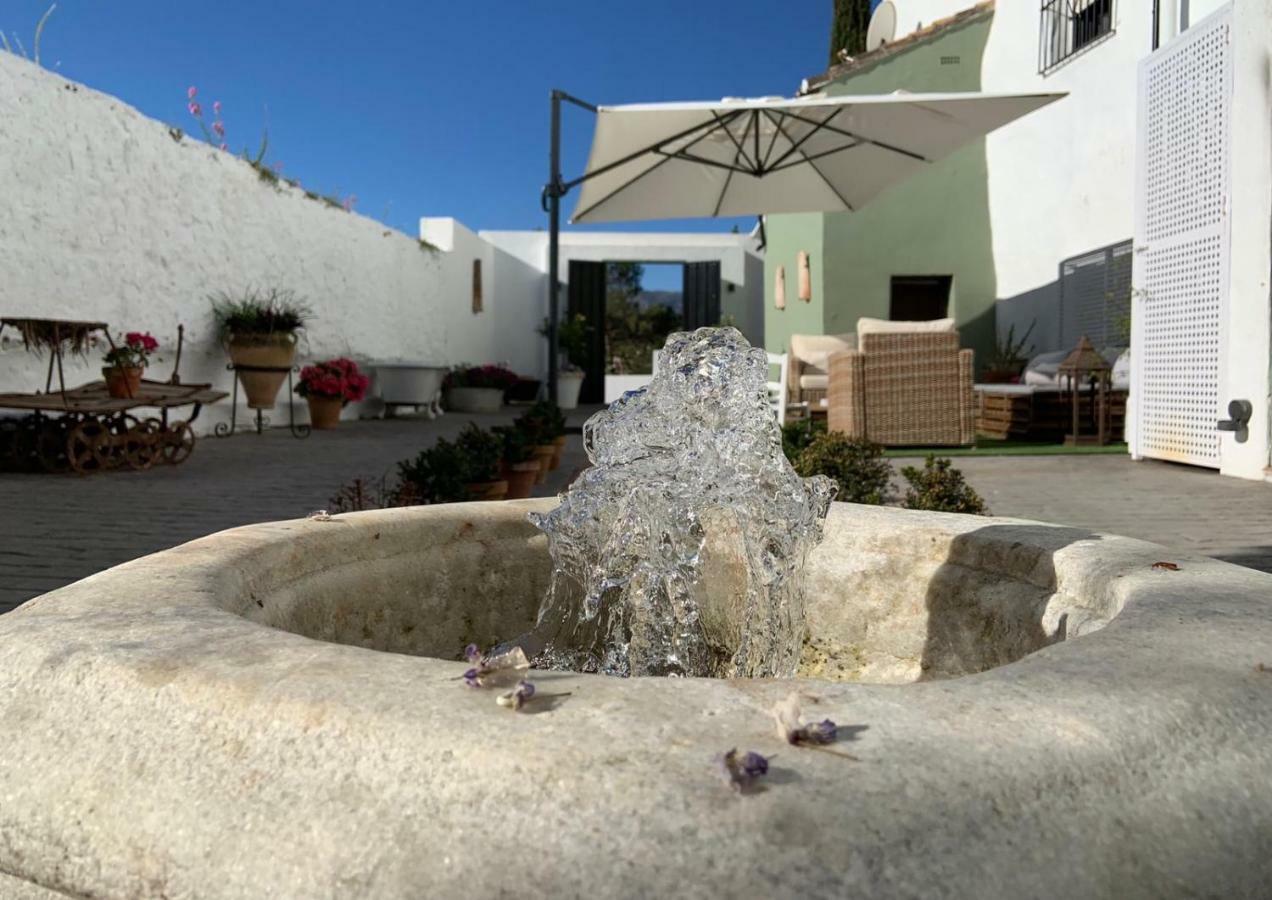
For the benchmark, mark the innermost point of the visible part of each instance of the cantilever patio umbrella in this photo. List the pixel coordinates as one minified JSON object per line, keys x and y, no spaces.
{"x":752,"y":157}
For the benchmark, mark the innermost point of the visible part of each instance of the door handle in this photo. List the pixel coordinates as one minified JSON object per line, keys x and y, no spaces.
{"x":1238,"y":421}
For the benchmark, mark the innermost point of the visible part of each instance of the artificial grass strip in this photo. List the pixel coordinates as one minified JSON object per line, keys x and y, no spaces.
{"x":991,"y":447}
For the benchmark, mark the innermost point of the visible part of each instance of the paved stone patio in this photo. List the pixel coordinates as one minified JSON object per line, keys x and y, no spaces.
{"x":58,"y":529}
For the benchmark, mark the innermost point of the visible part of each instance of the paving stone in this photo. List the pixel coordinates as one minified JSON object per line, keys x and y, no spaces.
{"x":58,"y":529}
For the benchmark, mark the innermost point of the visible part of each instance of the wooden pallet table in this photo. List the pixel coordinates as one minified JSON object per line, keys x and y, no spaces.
{"x":1037,"y":413}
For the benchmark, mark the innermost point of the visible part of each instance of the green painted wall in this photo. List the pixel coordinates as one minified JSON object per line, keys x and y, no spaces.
{"x":936,"y":223}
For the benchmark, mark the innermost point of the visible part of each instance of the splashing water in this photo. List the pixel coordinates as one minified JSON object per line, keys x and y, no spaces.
{"x":680,"y":550}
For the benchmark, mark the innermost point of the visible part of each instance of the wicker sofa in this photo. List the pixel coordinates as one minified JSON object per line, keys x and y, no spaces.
{"x":907,"y":384}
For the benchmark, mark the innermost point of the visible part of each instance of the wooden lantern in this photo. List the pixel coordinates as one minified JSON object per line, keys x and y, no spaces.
{"x":1087,"y":367}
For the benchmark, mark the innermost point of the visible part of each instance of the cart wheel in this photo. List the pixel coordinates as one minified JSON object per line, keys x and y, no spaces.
{"x":142,"y":444}
{"x":178,"y":443}
{"x":50,"y":445}
{"x":84,"y":446}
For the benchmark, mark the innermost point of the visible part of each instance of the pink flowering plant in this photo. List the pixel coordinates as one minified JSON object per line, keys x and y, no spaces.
{"x":271,"y":173}
{"x":336,"y":379}
{"x":488,"y":376}
{"x":133,"y":352}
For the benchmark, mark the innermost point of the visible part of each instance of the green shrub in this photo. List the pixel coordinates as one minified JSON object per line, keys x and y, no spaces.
{"x":542,"y":423}
{"x":517,"y":446}
{"x":856,"y":466}
{"x":483,"y":453}
{"x":939,"y":486}
{"x":442,"y":473}
{"x":799,"y":434}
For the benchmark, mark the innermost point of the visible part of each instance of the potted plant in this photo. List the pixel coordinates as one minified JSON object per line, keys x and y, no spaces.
{"x":538,"y":431}
{"x":572,"y":333}
{"x":483,"y":458}
{"x":477,"y":389}
{"x":435,"y":475}
{"x":1007,"y":360}
{"x":259,"y":332}
{"x":520,"y":465}
{"x":551,"y":428}
{"x":125,"y":364}
{"x":328,"y":386}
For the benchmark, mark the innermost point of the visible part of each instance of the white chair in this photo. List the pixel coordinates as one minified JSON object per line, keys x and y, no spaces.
{"x":777,"y":389}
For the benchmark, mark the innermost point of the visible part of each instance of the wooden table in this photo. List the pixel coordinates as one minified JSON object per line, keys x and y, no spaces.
{"x":1038,"y":412}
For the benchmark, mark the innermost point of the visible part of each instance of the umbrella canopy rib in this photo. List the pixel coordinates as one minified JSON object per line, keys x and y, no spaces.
{"x":857,"y":137}
{"x":711,"y":127}
{"x":830,"y":184}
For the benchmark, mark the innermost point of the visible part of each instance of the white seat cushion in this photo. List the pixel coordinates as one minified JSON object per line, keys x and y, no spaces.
{"x":814,"y":382}
{"x":887,"y":326}
{"x":813,"y":350}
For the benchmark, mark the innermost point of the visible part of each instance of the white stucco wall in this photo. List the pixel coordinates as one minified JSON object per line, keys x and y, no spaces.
{"x":104,"y":216}
{"x":1061,"y":182}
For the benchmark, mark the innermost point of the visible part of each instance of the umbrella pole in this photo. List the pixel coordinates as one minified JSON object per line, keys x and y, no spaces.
{"x":554,"y":243}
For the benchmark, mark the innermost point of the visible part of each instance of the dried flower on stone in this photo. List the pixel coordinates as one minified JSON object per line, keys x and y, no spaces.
{"x":742,"y":770}
{"x":491,"y":671}
{"x":518,"y":696}
{"x":793,"y":731}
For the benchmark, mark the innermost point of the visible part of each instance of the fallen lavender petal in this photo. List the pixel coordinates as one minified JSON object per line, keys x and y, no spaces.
{"x":741,"y":771}
{"x":518,"y":696}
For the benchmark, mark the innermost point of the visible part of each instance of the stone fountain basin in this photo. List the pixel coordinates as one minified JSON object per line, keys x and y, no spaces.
{"x":223,"y":720}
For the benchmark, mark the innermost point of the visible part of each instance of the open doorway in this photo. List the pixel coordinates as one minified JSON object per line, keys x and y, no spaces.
{"x":630,"y":307}
{"x":644,"y":302}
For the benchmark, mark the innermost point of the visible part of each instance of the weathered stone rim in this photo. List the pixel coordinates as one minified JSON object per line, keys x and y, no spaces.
{"x":215,"y":731}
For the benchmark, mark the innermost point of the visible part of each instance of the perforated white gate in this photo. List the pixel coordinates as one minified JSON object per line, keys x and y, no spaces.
{"x":1182,"y":244}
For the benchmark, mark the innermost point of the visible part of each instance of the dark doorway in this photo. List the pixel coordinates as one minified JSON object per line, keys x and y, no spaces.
{"x":919,"y":298}
{"x":702,"y":294}
{"x":587,"y":298}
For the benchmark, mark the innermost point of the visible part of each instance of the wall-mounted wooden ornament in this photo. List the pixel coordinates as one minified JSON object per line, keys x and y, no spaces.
{"x":477,"y":298}
{"x":779,"y":288}
{"x":805,"y":278}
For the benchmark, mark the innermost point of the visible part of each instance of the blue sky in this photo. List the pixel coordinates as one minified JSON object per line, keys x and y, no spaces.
{"x":421,"y":107}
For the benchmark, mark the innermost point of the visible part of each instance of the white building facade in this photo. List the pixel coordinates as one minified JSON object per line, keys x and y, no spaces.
{"x":1138,"y":208}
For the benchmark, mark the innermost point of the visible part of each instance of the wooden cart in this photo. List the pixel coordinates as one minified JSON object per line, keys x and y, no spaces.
{"x":84,"y":429}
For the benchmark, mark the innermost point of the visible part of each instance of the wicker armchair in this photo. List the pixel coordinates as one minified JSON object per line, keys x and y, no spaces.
{"x":808,"y":377}
{"x":903,"y":389}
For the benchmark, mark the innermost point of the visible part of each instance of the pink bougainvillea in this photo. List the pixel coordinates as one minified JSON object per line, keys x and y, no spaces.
{"x":336,"y":378}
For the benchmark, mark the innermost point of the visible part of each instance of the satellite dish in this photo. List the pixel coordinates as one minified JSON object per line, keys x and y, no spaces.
{"x":883,"y":26}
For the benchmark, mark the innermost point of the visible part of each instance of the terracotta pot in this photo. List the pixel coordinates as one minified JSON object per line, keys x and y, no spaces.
{"x":251,"y":353}
{"x":558,"y":447}
{"x":521,"y":478}
{"x":474,"y":400}
{"x":488,"y":490}
{"x":123,"y":382}
{"x":324,"y":412}
{"x":543,"y":456}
